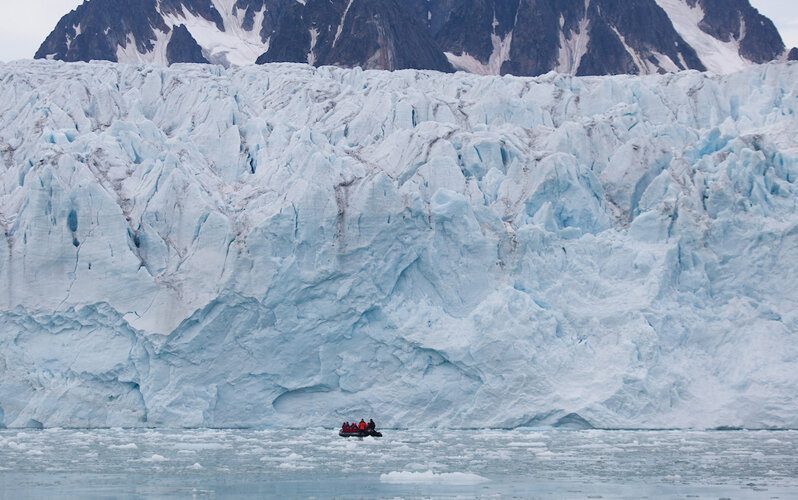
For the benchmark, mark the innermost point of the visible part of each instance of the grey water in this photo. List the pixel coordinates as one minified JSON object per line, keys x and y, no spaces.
{"x":317,"y":463}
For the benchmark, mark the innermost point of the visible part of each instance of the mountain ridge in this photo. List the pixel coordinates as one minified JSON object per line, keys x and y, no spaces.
{"x":520,"y":37}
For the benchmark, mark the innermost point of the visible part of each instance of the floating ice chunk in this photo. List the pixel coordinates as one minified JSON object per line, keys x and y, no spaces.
{"x":531,"y":444}
{"x":455,"y":478}
{"x":202,"y":446}
{"x":126,"y":446}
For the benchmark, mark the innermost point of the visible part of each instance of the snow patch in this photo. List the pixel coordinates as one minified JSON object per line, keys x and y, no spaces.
{"x":500,"y":54}
{"x":341,"y":24}
{"x":129,"y":54}
{"x":235,"y":45}
{"x":718,"y":56}
{"x":314,"y":38}
{"x":646,"y":66}
{"x":572,"y":48}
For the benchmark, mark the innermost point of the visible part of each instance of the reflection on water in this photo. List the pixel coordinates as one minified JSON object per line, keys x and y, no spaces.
{"x":128,"y":463}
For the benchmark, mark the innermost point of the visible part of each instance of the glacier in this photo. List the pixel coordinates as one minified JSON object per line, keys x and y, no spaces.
{"x":283,"y":245}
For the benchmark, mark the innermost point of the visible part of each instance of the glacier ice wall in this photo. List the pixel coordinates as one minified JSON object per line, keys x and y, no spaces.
{"x":265,"y":246}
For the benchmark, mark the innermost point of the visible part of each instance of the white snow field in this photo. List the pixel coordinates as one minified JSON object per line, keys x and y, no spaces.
{"x":283,"y":245}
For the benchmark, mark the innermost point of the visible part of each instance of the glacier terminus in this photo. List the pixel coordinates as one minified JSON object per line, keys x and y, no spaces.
{"x":196,"y":246}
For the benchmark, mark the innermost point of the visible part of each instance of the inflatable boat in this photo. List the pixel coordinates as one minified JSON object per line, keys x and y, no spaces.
{"x":361,"y":434}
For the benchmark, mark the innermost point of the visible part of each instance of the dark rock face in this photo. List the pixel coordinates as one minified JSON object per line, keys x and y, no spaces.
{"x":373,"y":34}
{"x":793,"y":55}
{"x":522,"y":37}
{"x":606,"y":54}
{"x":201,"y":8}
{"x":378,"y":34}
{"x":182,"y":47}
{"x":291,"y":41}
{"x":729,"y":20}
{"x":539,"y":28}
{"x":250,"y":9}
{"x":645,"y":28}
{"x":96,"y":29}
{"x":272,"y":13}
{"x":535,"y":20}
{"x":469,"y":26}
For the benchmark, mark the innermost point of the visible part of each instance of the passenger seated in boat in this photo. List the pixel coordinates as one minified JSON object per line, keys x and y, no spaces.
{"x":345,"y":427}
{"x":371,"y":426}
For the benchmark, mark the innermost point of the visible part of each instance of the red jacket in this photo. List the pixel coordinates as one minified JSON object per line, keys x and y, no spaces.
{"x":362,"y":425}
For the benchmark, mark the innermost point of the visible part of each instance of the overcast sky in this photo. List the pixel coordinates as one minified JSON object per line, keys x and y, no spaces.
{"x":24,"y":24}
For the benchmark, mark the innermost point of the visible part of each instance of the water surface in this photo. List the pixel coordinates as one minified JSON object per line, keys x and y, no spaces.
{"x":147,"y":463}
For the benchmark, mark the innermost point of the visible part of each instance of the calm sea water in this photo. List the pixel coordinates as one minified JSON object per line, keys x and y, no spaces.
{"x":316,"y":463}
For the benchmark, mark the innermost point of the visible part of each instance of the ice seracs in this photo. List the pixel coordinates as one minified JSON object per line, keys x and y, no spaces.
{"x":200,"y":246}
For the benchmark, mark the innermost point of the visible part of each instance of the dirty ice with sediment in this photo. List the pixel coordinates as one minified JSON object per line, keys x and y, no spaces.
{"x":261,"y":246}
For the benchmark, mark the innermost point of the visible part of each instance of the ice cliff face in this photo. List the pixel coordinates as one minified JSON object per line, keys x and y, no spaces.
{"x":194,"y":246}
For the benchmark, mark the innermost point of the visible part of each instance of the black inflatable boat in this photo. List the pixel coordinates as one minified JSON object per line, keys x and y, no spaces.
{"x":361,"y":434}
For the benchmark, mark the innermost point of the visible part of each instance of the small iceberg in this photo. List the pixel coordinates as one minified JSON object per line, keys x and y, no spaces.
{"x":455,"y":478}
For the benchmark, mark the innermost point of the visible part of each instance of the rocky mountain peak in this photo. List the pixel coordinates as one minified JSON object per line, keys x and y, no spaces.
{"x":521,"y":37}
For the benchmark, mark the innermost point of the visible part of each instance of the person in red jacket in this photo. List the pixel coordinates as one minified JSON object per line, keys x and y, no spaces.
{"x":345,"y":427}
{"x":362,"y":425}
